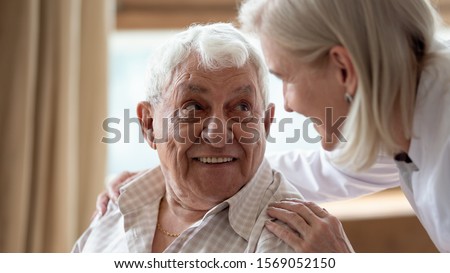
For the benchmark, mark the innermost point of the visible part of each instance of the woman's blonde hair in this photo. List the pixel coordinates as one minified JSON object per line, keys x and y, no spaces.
{"x":388,"y":41}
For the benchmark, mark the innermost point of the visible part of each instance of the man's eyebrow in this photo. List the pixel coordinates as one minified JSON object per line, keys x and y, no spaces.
{"x":196,"y":88}
{"x":200,"y":89}
{"x":245,"y":89}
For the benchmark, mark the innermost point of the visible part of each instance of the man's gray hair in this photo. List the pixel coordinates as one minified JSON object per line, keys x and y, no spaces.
{"x":218,"y":46}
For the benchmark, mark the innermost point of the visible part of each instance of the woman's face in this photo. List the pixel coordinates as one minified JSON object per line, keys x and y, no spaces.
{"x":317,"y":93}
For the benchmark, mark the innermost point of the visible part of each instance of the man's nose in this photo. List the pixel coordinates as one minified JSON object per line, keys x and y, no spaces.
{"x":216,"y":132}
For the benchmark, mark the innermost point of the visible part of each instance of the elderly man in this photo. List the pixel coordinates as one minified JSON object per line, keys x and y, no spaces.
{"x":207,"y":116}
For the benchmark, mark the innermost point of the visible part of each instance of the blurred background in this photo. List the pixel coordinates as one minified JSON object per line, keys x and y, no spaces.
{"x":71,"y":74}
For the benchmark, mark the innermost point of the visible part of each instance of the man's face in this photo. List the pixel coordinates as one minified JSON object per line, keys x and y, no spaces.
{"x":209,"y":132}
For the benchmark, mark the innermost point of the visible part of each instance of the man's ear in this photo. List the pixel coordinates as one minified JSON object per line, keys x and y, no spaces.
{"x":145,"y":115}
{"x":346,"y":73}
{"x":268,"y":118}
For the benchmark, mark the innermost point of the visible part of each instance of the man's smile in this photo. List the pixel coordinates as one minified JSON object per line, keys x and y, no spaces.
{"x":215,"y":160}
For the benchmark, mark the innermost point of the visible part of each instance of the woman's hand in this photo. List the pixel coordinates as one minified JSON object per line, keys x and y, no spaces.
{"x":310,"y":227}
{"x":112,"y":191}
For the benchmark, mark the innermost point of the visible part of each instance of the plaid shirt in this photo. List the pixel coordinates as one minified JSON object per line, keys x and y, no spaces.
{"x":235,"y":225}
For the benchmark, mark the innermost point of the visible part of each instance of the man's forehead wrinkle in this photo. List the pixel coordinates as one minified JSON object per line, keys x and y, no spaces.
{"x":179,"y":84}
{"x":246,"y":89}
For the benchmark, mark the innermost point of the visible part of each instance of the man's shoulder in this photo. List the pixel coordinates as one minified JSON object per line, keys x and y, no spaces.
{"x":285,"y":188}
{"x":141,"y":181}
{"x":142,"y":190}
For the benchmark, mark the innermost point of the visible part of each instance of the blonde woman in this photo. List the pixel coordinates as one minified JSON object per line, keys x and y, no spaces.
{"x":378,"y":63}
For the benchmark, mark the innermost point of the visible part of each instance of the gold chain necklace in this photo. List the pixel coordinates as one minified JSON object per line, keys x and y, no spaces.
{"x":158,"y":226}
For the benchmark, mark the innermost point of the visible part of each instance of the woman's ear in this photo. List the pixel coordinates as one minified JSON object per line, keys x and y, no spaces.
{"x":145,"y":115}
{"x":346,"y":73}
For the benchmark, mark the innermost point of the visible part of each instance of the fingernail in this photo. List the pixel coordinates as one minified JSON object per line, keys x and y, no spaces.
{"x":274,"y":204}
{"x":294,"y":199}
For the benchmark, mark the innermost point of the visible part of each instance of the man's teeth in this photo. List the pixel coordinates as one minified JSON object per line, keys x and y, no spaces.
{"x":214,"y":160}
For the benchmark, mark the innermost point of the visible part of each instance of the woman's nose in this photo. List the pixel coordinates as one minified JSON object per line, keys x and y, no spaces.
{"x":286,"y":106}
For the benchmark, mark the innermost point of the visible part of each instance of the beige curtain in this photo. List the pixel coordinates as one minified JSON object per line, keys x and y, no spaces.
{"x":53,"y":84}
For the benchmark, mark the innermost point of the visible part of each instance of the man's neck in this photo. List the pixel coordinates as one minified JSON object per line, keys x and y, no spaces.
{"x":173,"y":208}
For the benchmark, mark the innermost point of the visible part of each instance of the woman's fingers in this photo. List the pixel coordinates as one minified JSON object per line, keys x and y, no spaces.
{"x":114,"y":186}
{"x":298,"y":207}
{"x":102,"y":202}
{"x":316,"y":209}
{"x":289,"y":217}
{"x":319,"y":231}
{"x":327,"y":235}
{"x":112,"y":191}
{"x":286,"y":234}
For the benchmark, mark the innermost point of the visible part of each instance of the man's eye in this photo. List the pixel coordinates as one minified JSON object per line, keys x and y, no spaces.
{"x":243,"y":106}
{"x":193,"y":107}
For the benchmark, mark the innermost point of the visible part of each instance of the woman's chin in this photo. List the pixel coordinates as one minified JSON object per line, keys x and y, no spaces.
{"x":328,"y":146}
